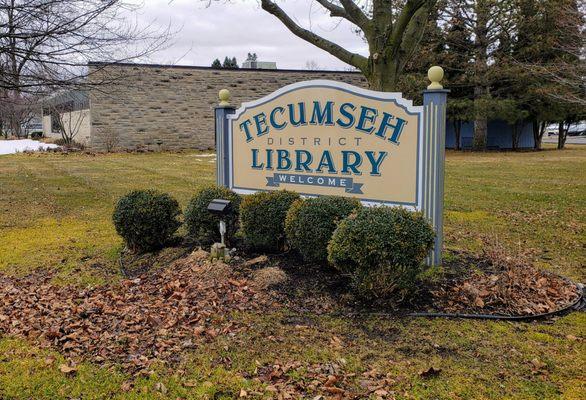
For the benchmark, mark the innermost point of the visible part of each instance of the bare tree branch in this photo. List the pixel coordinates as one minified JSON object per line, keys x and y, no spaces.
{"x":336,"y":50}
{"x":407,"y":13}
{"x":46,"y":44}
{"x":356,"y":15}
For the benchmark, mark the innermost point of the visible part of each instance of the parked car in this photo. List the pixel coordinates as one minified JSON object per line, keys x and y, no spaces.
{"x":577,"y":129}
{"x":33,"y":130}
{"x":551,"y":129}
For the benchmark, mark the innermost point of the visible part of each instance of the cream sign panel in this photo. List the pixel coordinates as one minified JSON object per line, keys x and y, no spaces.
{"x":328,"y":138}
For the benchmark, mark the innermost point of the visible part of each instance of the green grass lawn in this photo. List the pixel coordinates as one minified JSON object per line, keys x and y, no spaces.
{"x":55,"y":212}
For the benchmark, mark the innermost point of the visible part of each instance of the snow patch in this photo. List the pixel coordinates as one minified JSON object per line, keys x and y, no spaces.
{"x":18,"y":146}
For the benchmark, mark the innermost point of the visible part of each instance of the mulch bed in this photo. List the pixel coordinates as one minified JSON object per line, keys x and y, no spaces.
{"x":160,"y":313}
{"x":510,"y":290}
{"x":468,"y":285}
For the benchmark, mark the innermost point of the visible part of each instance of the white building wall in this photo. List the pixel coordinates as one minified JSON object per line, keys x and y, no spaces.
{"x":76,"y":121}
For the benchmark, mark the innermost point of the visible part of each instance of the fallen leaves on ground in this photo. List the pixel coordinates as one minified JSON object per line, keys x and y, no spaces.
{"x":134,"y":322}
{"x":324,"y":381}
{"x":511,"y":290}
{"x":161,"y":314}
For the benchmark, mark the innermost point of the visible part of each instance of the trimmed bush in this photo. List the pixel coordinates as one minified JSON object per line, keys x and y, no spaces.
{"x":262,"y":219}
{"x":146,"y":219}
{"x":382,"y":249}
{"x":202,"y":226}
{"x":310,"y":224}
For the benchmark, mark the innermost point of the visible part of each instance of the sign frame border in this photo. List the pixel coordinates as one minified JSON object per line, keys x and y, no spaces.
{"x":395,"y":97}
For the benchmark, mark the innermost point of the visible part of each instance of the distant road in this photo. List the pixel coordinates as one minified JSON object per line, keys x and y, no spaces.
{"x":569,"y":140}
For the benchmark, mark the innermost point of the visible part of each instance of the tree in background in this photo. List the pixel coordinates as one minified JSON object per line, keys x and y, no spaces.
{"x":459,"y":111}
{"x":515,"y":60}
{"x":312,"y":65}
{"x":69,"y":110}
{"x":544,"y":30}
{"x":563,"y":36}
{"x":230,"y":63}
{"x":45,"y":45}
{"x":482,"y":21}
{"x":48,"y":43}
{"x":457,"y":61}
{"x":16,"y":110}
{"x":391,"y":28}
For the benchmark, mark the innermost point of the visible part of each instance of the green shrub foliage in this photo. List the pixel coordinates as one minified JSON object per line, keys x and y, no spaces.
{"x":202,"y":226}
{"x":310,"y":224}
{"x":146,"y":219}
{"x":262,"y":219}
{"x":382,"y":249}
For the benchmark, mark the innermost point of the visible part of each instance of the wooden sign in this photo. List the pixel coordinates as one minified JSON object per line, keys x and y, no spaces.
{"x":323,"y":137}
{"x":328,"y":138}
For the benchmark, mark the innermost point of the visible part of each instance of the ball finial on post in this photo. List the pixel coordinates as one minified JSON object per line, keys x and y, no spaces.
{"x":224,"y":96}
{"x":435,"y":75}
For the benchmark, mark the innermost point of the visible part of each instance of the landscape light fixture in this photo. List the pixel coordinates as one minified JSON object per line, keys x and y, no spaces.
{"x":221,"y":208}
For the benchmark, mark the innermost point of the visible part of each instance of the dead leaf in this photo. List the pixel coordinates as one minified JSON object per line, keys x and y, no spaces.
{"x":67,"y":370}
{"x":538,"y":364}
{"x":478,"y":302}
{"x":334,"y":390}
{"x":257,"y":260}
{"x":198,"y":330}
{"x":336,"y":342}
{"x":331,"y":380}
{"x":160,"y":387}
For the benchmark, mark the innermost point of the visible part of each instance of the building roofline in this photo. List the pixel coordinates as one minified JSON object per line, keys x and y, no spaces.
{"x":197,"y":67}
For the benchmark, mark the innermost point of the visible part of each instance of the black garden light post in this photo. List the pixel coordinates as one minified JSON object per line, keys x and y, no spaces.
{"x":220,"y":208}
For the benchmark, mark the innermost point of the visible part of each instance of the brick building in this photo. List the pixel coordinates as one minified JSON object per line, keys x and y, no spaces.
{"x":171,"y":107}
{"x":158,"y":107}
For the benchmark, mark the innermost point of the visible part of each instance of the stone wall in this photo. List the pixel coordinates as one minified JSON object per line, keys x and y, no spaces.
{"x":171,"y":108}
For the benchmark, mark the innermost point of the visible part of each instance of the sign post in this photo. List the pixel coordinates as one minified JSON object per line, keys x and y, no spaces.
{"x":329,"y":138}
{"x":221,"y":113}
{"x":434,"y":145}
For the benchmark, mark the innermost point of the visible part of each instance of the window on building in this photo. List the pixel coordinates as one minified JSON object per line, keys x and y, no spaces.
{"x":55,"y":125}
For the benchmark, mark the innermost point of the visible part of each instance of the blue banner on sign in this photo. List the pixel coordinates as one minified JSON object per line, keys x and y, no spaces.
{"x":328,"y":181}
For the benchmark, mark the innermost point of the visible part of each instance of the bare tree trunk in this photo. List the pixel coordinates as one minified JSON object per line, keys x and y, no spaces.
{"x":480,"y":133}
{"x":515,"y":136}
{"x":538,"y":131}
{"x":481,"y":89}
{"x":562,"y":134}
{"x":457,"y":132}
{"x":392,"y":34}
{"x":382,"y":75}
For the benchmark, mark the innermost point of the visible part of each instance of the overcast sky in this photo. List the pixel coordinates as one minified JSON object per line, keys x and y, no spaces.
{"x":240,"y":27}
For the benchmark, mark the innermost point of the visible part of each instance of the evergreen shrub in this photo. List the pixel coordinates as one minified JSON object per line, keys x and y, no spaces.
{"x":202,"y":226}
{"x":382,"y":249}
{"x":146,"y":219}
{"x":262,"y":219}
{"x":310,"y":224}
